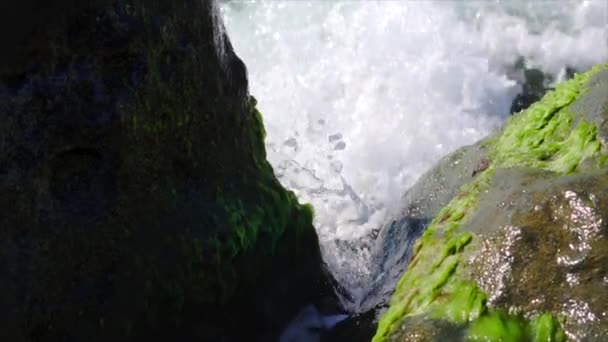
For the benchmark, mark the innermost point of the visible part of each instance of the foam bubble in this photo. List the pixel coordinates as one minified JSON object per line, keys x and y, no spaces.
{"x":360,"y":98}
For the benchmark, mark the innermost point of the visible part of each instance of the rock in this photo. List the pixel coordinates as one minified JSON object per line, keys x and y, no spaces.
{"x":421,"y":203}
{"x":393,"y":246}
{"x":519,"y":252}
{"x":534,"y":84}
{"x":542,"y":247}
{"x":137,"y":202}
{"x":533,"y":88}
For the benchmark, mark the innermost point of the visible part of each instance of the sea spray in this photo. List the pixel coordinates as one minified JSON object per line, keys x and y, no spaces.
{"x":359,"y":98}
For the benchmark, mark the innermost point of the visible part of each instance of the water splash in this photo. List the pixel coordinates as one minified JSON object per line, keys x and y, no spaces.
{"x":361,"y":97}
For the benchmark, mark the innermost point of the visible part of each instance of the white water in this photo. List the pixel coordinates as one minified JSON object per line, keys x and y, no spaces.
{"x":360,"y":98}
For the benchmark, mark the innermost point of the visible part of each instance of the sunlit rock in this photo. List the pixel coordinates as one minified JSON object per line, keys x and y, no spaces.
{"x":519,"y":251}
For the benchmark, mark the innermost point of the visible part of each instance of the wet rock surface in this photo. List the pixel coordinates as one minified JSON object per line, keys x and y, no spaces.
{"x":518,"y":254}
{"x":542,"y":247}
{"x":137,"y":203}
{"x":395,"y":242}
{"x":434,"y":190}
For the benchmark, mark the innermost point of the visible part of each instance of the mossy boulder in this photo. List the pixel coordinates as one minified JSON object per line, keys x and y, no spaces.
{"x":137,"y":202}
{"x":420,"y":203}
{"x":519,"y":253}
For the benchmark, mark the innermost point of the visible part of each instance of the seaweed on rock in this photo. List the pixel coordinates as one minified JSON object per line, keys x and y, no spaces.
{"x":556,"y":135}
{"x":137,"y":200}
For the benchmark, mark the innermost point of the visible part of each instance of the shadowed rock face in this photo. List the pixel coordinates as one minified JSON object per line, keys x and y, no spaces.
{"x":27,"y":26}
{"x":136,"y":201}
{"x":518,"y":253}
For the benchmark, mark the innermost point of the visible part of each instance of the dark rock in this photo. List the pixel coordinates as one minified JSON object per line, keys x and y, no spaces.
{"x":137,"y":203}
{"x":534,"y":83}
{"x":434,"y":190}
{"x":533,"y":89}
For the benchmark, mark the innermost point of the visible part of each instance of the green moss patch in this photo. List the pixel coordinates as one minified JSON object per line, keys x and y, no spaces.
{"x":499,"y":326}
{"x":547,"y":136}
{"x":142,"y":206}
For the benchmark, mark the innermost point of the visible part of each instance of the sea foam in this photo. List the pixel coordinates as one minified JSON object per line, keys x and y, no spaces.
{"x":360,"y":98}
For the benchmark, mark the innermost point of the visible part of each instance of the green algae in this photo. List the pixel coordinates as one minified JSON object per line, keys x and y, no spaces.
{"x":543,"y":138}
{"x":500,"y":326}
{"x":546,"y":136}
{"x":251,"y":213}
{"x":496,"y":327}
{"x":194,"y":230}
{"x":545,"y":327}
{"x":467,"y":304}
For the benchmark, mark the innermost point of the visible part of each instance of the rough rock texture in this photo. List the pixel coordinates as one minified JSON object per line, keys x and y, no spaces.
{"x":519,"y":253}
{"x":393,"y":246}
{"x":137,"y":203}
{"x":421,"y":203}
{"x":543,"y":247}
